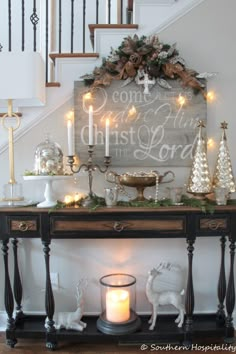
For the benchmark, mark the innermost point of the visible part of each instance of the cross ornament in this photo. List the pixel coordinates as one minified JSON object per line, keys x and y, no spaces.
{"x":146,"y":82}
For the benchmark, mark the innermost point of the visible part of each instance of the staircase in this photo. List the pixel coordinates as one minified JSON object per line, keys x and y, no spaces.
{"x":65,"y":67}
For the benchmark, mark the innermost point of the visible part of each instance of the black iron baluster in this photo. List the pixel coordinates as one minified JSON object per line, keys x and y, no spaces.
{"x":221,"y":284}
{"x":17,"y":286}
{"x":23,"y":25}
{"x":129,"y":12}
{"x":34,"y":20}
{"x":59,"y":27}
{"x":72,"y":26}
{"x":84,"y":17}
{"x":109,"y":11}
{"x":46,"y":42}
{"x":97,"y":11}
{"x":9,"y":25}
{"x":121,"y":11}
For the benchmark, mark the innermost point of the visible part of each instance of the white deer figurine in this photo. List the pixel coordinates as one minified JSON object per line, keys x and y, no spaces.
{"x":72,"y":320}
{"x":168,"y":297}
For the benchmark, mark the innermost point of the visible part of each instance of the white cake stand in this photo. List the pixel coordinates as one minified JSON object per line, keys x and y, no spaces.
{"x":50,"y":198}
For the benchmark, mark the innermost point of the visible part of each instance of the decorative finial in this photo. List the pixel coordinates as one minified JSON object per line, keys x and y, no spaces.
{"x":224,"y":125}
{"x":201,"y":124}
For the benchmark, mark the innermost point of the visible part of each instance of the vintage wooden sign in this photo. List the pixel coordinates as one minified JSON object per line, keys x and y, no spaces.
{"x":146,"y":130}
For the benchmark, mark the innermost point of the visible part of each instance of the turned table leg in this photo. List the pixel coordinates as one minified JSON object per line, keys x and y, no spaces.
{"x":8,"y":299}
{"x":230,"y":296}
{"x":189,"y":298}
{"x":17,"y":286}
{"x":220,"y":315}
{"x":49,"y":301}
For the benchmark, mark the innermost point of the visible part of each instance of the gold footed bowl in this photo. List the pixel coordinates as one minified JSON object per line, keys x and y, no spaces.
{"x":140,"y":181}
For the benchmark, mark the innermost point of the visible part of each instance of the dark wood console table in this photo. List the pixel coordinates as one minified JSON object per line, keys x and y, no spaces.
{"x":120,"y":222}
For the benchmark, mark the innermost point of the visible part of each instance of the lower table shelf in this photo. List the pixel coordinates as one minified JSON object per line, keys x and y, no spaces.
{"x":165,"y":332}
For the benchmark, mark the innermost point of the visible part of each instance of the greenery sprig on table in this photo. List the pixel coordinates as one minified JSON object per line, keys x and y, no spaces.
{"x":206,"y":205}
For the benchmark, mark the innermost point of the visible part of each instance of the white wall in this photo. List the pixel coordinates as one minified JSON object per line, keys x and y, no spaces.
{"x":208,"y":45}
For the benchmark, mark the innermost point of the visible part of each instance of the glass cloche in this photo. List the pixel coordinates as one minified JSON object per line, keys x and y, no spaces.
{"x":48,"y":158}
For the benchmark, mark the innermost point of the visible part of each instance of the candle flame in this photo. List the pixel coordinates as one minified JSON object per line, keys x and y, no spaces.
{"x":132,"y":111}
{"x":87,"y":96}
{"x":210,"y":143}
{"x":210,"y":96}
{"x":70,"y":116}
{"x":117,"y":295}
{"x":181,"y":100}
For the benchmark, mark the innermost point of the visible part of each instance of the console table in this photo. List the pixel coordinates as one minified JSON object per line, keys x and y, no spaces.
{"x":120,"y":222}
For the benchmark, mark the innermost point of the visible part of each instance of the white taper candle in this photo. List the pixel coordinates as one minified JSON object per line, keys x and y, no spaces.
{"x":107,"y":137}
{"x":91,"y":125}
{"x":70,"y":133}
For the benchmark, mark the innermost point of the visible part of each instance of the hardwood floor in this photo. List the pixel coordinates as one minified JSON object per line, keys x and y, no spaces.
{"x":38,"y":347}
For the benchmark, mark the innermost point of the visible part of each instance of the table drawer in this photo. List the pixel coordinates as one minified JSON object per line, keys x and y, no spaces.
{"x":23,"y":226}
{"x":121,"y":226}
{"x":78,"y":225}
{"x":213,"y":223}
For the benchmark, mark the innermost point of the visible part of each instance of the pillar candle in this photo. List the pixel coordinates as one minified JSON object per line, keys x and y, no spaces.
{"x":90,"y":125}
{"x":117,"y":305}
{"x":107,"y":137}
{"x":70,"y":133}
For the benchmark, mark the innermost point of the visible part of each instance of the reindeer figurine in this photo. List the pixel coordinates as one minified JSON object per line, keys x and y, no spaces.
{"x":168,"y":297}
{"x":72,"y":320}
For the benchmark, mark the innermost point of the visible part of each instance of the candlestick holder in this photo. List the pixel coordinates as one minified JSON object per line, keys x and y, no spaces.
{"x":90,"y":167}
{"x":12,"y":190}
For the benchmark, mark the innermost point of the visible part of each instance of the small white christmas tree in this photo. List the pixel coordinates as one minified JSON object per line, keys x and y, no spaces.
{"x":199,"y":181}
{"x":223,"y":175}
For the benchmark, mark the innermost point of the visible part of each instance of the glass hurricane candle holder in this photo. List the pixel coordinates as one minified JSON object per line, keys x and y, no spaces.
{"x":118,"y":300}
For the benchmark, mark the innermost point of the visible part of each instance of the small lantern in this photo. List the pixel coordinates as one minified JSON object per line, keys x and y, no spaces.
{"x":118,"y":298}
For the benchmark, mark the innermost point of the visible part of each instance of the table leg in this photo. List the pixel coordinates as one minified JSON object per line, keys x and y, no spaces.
{"x":220,"y":315}
{"x":17,"y":286}
{"x":8,"y":299}
{"x":189,"y":298}
{"x":49,"y":301}
{"x":230,"y":296}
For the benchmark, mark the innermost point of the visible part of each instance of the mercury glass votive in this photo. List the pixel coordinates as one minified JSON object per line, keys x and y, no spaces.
{"x":118,"y":301}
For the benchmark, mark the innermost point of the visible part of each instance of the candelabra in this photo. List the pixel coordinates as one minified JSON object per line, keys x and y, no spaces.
{"x":90,"y":167}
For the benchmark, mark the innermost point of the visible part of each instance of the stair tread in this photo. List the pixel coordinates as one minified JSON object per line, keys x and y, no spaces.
{"x":55,"y":56}
{"x":53,"y":84}
{"x":92,"y":27}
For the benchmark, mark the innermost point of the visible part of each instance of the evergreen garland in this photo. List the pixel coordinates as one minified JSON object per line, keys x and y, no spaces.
{"x":206,"y":205}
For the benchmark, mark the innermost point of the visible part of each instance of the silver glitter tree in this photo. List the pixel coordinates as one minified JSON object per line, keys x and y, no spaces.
{"x":199,"y":182}
{"x":223,"y":174}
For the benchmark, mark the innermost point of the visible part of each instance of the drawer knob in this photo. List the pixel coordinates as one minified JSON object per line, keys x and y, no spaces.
{"x":23,"y":226}
{"x":118,"y":226}
{"x":214,"y":225}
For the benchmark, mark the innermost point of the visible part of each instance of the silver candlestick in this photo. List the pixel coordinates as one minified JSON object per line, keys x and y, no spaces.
{"x":90,"y":167}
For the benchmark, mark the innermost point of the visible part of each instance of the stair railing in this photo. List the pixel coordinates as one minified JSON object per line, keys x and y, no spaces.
{"x":59,"y":26}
